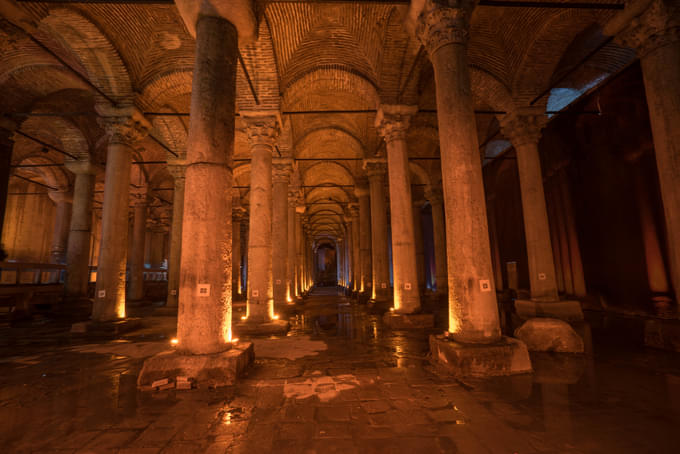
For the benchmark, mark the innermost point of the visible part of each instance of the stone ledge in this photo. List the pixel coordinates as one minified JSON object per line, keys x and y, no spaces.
{"x":507,"y":357}
{"x":569,"y":310}
{"x":271,"y":328}
{"x":663,"y":334}
{"x":206,"y":371}
{"x":408,"y":321}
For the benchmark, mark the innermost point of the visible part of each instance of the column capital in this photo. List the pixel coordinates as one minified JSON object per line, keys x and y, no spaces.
{"x":240,"y":13}
{"x":523,"y":129}
{"x":282,"y":168}
{"x":122,"y":125}
{"x":361,"y":188}
{"x":238,"y":213}
{"x":353,"y":209}
{"x":374,"y":167}
{"x":262,"y":128}
{"x":438,"y":25}
{"x":82,"y":167}
{"x":178,"y":171}
{"x":300,"y":208}
{"x":139,"y":196}
{"x":646,"y":25}
{"x":392,"y":121}
{"x":58,"y":196}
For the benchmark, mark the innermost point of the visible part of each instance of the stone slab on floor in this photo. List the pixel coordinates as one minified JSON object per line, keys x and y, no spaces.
{"x":507,"y":357}
{"x":549,"y":335}
{"x":408,"y":321}
{"x":568,"y":310}
{"x":206,"y":371}
{"x":663,"y":334}
{"x":272,"y":328}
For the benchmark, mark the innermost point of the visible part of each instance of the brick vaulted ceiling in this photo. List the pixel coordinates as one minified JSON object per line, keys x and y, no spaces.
{"x":309,"y":56}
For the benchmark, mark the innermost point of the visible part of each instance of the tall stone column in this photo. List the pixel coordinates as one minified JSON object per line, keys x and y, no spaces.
{"x":291,"y":290}
{"x":473,"y":310}
{"x":420,"y":246}
{"x":365,"y":234}
{"x":392,"y":123}
{"x":495,"y":250}
{"x":356,"y":251}
{"x":340,"y":261}
{"x":262,"y":130}
{"x":375,"y":170}
{"x":78,"y":248}
{"x":178,"y":173}
{"x":136,"y":259}
{"x":554,"y":233}
{"x":441,"y":279}
{"x":281,"y":170}
{"x":236,"y":219}
{"x":7,"y":128}
{"x":654,"y":32}
{"x":524,"y":131}
{"x":577,"y":273}
{"x":124,"y":127}
{"x":63,"y":201}
{"x":299,"y":250}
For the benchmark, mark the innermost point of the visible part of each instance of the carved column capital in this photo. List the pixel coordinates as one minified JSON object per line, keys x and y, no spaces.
{"x":361,"y":188}
{"x":124,"y":125}
{"x":282,"y":168}
{"x":439,"y":25}
{"x":82,"y":167}
{"x":65,"y":196}
{"x":655,"y":26}
{"x":392,"y":121}
{"x":374,"y":167}
{"x":523,"y":129}
{"x":261,"y":129}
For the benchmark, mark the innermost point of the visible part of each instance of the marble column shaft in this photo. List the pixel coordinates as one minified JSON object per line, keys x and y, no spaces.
{"x":136,"y":259}
{"x":524,"y":133}
{"x":236,"y":252}
{"x":365,"y":235}
{"x":356,"y":251}
{"x":392,"y":123}
{"x":375,"y":170}
{"x":205,"y":295}
{"x":439,"y":241}
{"x":281,"y":170}
{"x":299,"y":250}
{"x":124,"y":127}
{"x":291,"y":290}
{"x":262,"y":131}
{"x":78,"y":248}
{"x":473,"y":310}
{"x":178,"y":172}
{"x":63,"y":201}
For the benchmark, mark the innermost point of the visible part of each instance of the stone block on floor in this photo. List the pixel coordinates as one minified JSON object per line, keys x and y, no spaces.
{"x":206,"y":371}
{"x":408,"y":321}
{"x":549,"y":335}
{"x":506,"y":357}
{"x":663,"y":334}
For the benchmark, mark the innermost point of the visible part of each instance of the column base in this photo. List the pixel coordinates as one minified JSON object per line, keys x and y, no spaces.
{"x":506,"y":357}
{"x":269,"y":328}
{"x":549,"y":335}
{"x":398,"y":321}
{"x":663,"y":334}
{"x":203,"y":371}
{"x":569,"y":310}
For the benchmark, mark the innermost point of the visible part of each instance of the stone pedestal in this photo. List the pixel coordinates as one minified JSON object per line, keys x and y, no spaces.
{"x":78,"y":248}
{"x":205,"y":371}
{"x":508,"y":356}
{"x":396,"y":321}
{"x":124,"y":127}
{"x":375,"y":170}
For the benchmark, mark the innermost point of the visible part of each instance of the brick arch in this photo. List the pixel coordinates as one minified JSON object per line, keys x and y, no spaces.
{"x":260,"y":59}
{"x":87,"y":43}
{"x":53,"y":176}
{"x":331,"y":141}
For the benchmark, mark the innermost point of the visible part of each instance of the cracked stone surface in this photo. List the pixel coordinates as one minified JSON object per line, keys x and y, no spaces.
{"x":351,"y":387}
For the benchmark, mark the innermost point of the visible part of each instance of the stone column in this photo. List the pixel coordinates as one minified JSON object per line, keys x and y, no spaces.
{"x":78,"y":247}
{"x":420,"y":247}
{"x":473,"y":310}
{"x":495,"y":250}
{"x":654,"y":32}
{"x":577,"y":273}
{"x":339,"y":261}
{"x":281,"y":170}
{"x":439,"y":240}
{"x":291,"y":290}
{"x":554,"y":233}
{"x":392,"y":123}
{"x":178,"y":173}
{"x":299,"y":250}
{"x":375,"y":170}
{"x":204,"y":315}
{"x":7,"y":128}
{"x":124,"y":127}
{"x":136,"y":259}
{"x":356,"y":251}
{"x":262,"y":130}
{"x":236,"y":219}
{"x":362,"y":193}
{"x":63,"y":201}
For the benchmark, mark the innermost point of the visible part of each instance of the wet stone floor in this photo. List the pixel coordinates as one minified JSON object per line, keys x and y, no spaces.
{"x":339,"y":382}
